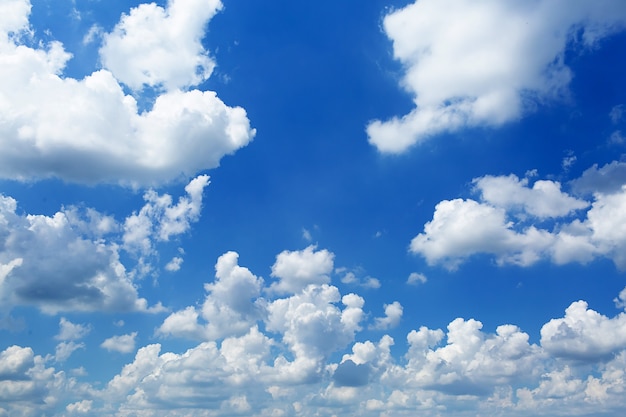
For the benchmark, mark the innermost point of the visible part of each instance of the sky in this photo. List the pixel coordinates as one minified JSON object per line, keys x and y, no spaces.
{"x":322,"y":208}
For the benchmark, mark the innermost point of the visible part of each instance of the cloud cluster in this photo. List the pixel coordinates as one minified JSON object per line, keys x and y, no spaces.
{"x":484,"y":65}
{"x":522,"y":224}
{"x":89,"y":130}
{"x":288,"y":354}
{"x":70,"y":261}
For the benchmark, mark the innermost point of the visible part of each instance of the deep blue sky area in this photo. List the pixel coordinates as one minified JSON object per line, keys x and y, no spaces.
{"x":413,"y":208}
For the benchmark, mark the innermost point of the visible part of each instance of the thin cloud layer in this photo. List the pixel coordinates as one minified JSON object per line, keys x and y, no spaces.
{"x":89,"y":130}
{"x":509,"y":222}
{"x":468,"y":64}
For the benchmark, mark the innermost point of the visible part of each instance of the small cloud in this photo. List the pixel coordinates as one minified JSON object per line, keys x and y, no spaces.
{"x":568,"y":161}
{"x":393,"y":314}
{"x":352,"y":278}
{"x":123,"y":344}
{"x":94,"y":33}
{"x":119,"y":323}
{"x":617,"y":113}
{"x":416,"y":278}
{"x":71,"y":331}
{"x":617,"y":138}
{"x":65,"y":349}
{"x":174,"y":264}
{"x":306,"y":235}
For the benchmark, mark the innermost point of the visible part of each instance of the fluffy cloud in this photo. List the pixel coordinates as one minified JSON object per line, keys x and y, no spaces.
{"x":510,"y":222}
{"x":584,"y":334}
{"x":295,"y":270}
{"x":48,"y":263}
{"x":154,"y":46}
{"x":124,"y":343}
{"x":89,"y":130}
{"x":71,"y":331}
{"x":71,"y":260}
{"x":484,"y":65}
{"x":231,"y":306}
{"x":393,"y":314}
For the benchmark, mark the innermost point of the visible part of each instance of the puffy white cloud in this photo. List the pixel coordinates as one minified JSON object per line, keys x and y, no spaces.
{"x":393,"y":314}
{"x":584,"y":334}
{"x":154,"y":46}
{"x":79,"y":407}
{"x":90,"y":131}
{"x":510,"y":222}
{"x":65,"y":349}
{"x":297,"y":269}
{"x":416,"y":278}
{"x":469,"y":64}
{"x":356,"y":277}
{"x":124,"y":343}
{"x":174,"y":264}
{"x":71,"y":331}
{"x":231,"y":307}
{"x":462,"y":228}
{"x":544,"y":200}
{"x":48,"y":263}
{"x":159,"y":219}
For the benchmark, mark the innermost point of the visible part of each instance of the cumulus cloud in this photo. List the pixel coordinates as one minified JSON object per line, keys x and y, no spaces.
{"x":416,"y":278}
{"x":231,"y":306}
{"x":297,"y":269}
{"x":71,"y":260}
{"x":153,"y":46}
{"x":124,"y":343}
{"x":160,"y":219}
{"x":584,"y":334}
{"x":48,"y":263}
{"x":88,"y":130}
{"x":510,"y":222}
{"x":484,"y":65}
{"x":393,"y":314}
{"x":71,"y":331}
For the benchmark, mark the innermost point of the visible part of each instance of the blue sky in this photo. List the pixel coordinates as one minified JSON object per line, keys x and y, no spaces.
{"x":383,"y":208}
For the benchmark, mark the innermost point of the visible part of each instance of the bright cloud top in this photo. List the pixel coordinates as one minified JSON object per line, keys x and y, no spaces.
{"x":90,"y":130}
{"x":486,"y":64}
{"x":509,"y":222}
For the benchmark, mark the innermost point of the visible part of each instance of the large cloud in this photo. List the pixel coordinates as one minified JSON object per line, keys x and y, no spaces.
{"x":71,"y":260}
{"x":90,"y":130}
{"x":469,"y":64}
{"x":511,"y":223}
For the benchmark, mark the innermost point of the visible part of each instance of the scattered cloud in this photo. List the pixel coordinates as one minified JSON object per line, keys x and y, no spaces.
{"x":416,"y":278}
{"x":510,"y":222}
{"x":297,"y":269}
{"x":393,"y":314}
{"x":71,"y":331}
{"x":484,"y":65}
{"x":123,"y":344}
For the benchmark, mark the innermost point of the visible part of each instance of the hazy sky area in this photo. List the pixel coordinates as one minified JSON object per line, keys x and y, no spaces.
{"x":323,"y":208}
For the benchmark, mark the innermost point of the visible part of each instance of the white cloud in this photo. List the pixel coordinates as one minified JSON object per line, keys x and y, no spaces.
{"x":393,"y":314}
{"x":153,"y":46}
{"x":49,"y":263}
{"x":160,"y":219}
{"x":297,"y":269}
{"x":71,"y":331}
{"x":469,"y":64}
{"x":617,"y":113}
{"x":90,"y":131}
{"x":584,"y":334}
{"x":351,"y":278}
{"x":509,"y":222}
{"x":416,"y":278}
{"x":124,"y":343}
{"x":79,"y":407}
{"x":65,"y":349}
{"x":544,"y":200}
{"x":231,"y":307}
{"x":174,"y":264}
